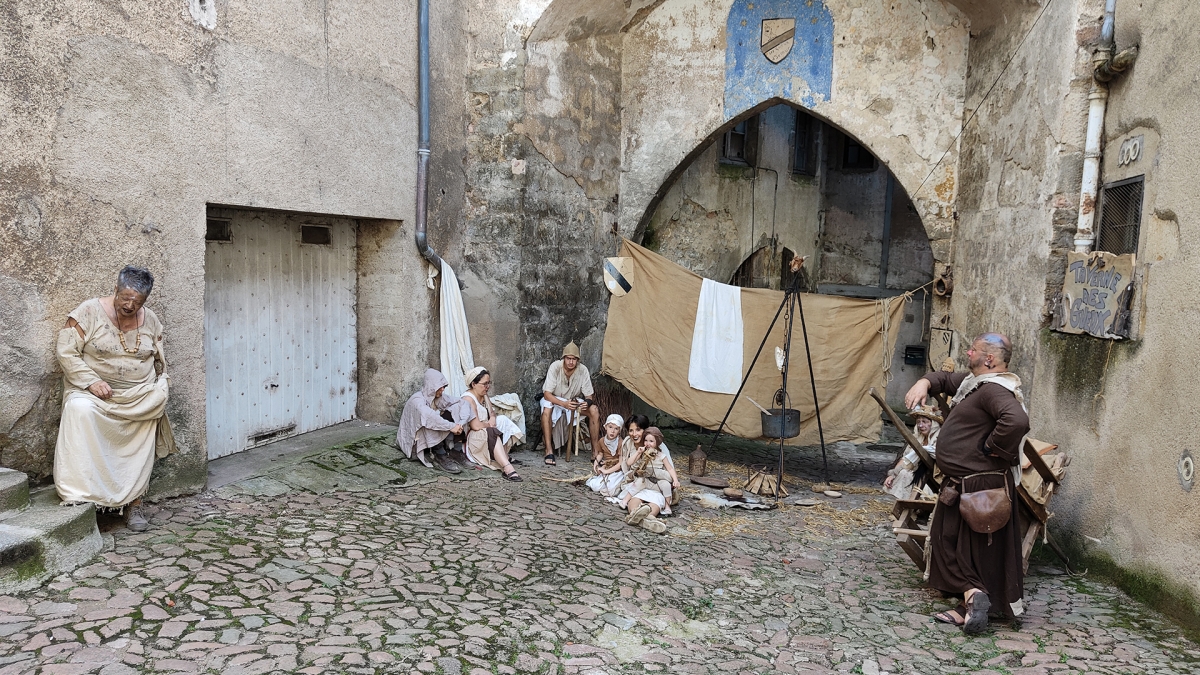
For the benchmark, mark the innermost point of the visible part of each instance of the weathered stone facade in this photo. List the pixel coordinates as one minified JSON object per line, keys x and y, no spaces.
{"x":561,"y":126}
{"x":125,"y":119}
{"x":582,"y":115}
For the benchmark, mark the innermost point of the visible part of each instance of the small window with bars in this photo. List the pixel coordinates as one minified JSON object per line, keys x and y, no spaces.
{"x":804,"y":157}
{"x":740,"y":144}
{"x":1120,"y":216}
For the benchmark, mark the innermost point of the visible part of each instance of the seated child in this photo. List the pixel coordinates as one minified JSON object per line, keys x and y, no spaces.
{"x":608,"y":466}
{"x":651,"y":478}
{"x":908,"y":470}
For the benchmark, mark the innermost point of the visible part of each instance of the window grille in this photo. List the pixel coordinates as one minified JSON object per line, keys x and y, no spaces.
{"x":740,"y":144}
{"x":315,"y":234}
{"x":218,"y":229}
{"x":804,"y":160}
{"x":1120,"y":216}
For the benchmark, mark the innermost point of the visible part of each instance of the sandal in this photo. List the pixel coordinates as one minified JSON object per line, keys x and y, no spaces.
{"x":636,"y":517}
{"x":975,"y":621}
{"x":954,"y":617}
{"x":512,"y":476}
{"x":550,"y":459}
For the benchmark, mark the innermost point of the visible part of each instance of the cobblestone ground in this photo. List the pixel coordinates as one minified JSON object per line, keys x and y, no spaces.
{"x":484,"y":576}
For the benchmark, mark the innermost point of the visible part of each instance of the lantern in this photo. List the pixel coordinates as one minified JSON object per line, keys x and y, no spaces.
{"x":697,"y":461}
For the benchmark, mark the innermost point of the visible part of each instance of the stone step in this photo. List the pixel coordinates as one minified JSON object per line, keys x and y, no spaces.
{"x":44,"y":540}
{"x":14,"y":491}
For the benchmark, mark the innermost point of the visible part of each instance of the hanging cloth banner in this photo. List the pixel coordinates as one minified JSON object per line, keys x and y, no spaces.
{"x":457,"y":357}
{"x":715,"y":363}
{"x":618,"y":275}
{"x":648,"y":344}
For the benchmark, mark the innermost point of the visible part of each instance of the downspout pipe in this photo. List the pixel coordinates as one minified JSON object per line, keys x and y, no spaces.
{"x":1105,"y":67}
{"x":423,"y":136}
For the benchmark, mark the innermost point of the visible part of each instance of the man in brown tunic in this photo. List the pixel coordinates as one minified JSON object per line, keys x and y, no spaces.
{"x":977,"y":448}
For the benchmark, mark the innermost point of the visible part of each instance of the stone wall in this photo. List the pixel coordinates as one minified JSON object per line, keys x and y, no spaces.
{"x":580,"y":115}
{"x":1124,"y":409}
{"x":716,"y":215}
{"x":126,"y":119}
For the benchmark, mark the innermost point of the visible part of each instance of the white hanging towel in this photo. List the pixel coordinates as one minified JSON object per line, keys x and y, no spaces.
{"x":716,"y":359}
{"x":457,"y":357}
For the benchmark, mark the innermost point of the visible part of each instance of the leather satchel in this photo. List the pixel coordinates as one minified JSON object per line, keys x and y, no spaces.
{"x":986,"y":510}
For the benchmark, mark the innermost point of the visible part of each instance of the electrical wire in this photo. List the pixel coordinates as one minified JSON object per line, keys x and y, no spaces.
{"x":979,"y":105}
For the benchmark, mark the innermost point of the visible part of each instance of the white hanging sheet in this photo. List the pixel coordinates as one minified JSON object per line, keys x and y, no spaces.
{"x":716,"y":360}
{"x":457,"y":357}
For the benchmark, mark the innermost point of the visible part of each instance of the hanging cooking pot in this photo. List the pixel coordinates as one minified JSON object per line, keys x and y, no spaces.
{"x":781,"y":423}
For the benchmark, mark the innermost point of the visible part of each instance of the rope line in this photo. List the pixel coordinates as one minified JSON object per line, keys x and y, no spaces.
{"x":975,"y":110}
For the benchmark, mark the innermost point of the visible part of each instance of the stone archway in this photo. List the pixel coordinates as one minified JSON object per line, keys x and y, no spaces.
{"x":677,"y":67}
{"x":781,"y":181}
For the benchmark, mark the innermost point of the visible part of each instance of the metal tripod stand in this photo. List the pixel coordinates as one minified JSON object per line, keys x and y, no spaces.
{"x":794,"y":304}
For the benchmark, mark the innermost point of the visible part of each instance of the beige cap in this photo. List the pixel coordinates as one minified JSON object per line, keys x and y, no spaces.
{"x":571,"y":349}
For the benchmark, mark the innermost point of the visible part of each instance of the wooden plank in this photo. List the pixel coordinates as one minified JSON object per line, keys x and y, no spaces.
{"x":1031,"y":535}
{"x":912,"y":505}
{"x":1038,"y":463}
{"x":908,"y":438}
{"x":910,"y":532}
{"x":915,"y":551}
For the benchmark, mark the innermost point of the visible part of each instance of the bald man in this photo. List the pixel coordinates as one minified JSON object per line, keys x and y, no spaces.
{"x":979,"y":444}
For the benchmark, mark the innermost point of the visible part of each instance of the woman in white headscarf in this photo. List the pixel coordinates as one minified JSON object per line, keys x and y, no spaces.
{"x":608,"y":466}
{"x":490,"y":435}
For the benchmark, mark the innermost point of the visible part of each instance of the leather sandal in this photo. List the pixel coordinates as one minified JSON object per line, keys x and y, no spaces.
{"x":511,"y":476}
{"x":550,"y":459}
{"x":975,"y":621}
{"x":948,"y":616}
{"x":638,"y":516}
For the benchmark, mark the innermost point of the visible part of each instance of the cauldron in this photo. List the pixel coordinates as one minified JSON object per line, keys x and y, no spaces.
{"x":781,"y":423}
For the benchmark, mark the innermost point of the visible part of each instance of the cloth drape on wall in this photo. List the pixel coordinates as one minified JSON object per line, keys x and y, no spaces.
{"x":648,"y":342}
{"x":457,"y":357}
{"x":716,"y":360}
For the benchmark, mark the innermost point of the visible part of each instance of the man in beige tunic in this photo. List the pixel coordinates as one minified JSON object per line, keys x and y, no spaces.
{"x":114,"y":399}
{"x":567,"y":389}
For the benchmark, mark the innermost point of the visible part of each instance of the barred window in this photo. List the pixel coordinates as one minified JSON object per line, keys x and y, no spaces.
{"x":740,"y":144}
{"x":1120,"y":216}
{"x":804,"y":157}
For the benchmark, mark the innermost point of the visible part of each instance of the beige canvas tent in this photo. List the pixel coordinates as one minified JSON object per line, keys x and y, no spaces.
{"x":649,"y":339}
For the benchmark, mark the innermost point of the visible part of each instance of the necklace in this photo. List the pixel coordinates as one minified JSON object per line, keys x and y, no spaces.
{"x":137,"y":345}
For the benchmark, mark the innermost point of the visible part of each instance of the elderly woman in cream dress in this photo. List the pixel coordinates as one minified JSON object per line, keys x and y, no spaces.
{"x":114,"y":399}
{"x":490,"y":436}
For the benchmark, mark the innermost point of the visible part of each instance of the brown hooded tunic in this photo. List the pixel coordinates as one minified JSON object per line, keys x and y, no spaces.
{"x":982,"y":433}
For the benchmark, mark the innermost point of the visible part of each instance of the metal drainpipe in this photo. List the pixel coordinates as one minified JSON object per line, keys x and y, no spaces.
{"x":1105,"y":67}
{"x":423,"y":136}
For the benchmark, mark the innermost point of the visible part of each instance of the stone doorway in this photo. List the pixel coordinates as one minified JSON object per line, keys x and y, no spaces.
{"x":780,"y":182}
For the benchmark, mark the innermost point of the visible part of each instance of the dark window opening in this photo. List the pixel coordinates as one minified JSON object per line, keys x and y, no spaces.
{"x":855,"y":157}
{"x":740,"y":144}
{"x":315,"y":234}
{"x":764,"y":269}
{"x":218,"y":229}
{"x":804,"y":159}
{"x":1120,"y":216}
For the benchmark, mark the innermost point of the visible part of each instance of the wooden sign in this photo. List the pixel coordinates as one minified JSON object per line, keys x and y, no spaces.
{"x":1096,"y":294}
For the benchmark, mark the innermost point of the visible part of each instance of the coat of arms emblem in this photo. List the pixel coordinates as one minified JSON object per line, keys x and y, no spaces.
{"x":778,"y":36}
{"x":618,"y":275}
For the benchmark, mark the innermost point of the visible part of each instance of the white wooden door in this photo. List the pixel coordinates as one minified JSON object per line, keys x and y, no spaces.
{"x":279,"y":318}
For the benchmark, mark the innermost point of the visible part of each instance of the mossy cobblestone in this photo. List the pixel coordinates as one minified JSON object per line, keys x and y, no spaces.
{"x":483,"y":576}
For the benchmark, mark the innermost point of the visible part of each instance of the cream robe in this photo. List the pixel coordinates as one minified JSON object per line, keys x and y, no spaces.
{"x":106,"y":448}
